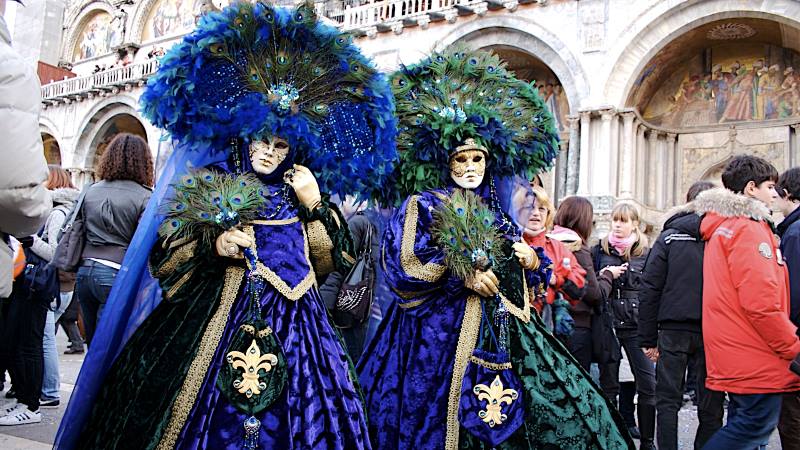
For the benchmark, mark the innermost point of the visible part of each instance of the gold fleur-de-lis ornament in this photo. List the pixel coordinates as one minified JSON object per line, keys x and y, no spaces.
{"x":251,"y":362}
{"x":495,"y":396}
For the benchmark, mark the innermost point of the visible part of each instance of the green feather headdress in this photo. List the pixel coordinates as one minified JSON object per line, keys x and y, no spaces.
{"x":456,"y":95}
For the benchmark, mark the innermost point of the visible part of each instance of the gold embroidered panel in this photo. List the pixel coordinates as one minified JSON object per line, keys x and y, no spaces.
{"x":470,"y":327}
{"x":429,"y":272}
{"x":320,"y":245}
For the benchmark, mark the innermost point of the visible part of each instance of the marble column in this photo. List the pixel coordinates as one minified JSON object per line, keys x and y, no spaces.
{"x":561,"y":170}
{"x":640,"y":171}
{"x":626,"y":161}
{"x":602,"y":169}
{"x":584,"y":176}
{"x":671,"y":171}
{"x":573,"y":156}
{"x":652,"y":162}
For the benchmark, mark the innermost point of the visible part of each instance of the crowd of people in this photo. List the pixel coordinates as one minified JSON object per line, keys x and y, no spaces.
{"x":366,"y":327}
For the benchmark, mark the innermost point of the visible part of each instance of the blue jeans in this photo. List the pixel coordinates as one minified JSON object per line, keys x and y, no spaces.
{"x":93,"y":284}
{"x":50,"y":379}
{"x":751,"y":420}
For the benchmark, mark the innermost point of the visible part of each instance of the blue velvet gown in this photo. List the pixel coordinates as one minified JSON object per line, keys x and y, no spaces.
{"x":175,"y":404}
{"x":413,"y":369}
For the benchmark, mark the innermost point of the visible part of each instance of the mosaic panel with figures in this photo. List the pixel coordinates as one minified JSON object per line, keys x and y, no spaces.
{"x":97,"y":37}
{"x":727,"y":84}
{"x":173,"y":17}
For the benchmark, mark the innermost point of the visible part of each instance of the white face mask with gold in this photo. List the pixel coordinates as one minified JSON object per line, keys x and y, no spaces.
{"x":267,"y":156}
{"x":467,"y":168}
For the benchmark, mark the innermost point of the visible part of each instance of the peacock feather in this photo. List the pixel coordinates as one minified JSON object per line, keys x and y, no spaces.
{"x":255,"y":70}
{"x":206,"y":203}
{"x":458,"y":94}
{"x":464,"y":228}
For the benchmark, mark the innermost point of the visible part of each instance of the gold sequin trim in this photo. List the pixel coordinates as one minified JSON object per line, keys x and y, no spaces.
{"x":489,"y":365}
{"x":180,"y":256}
{"x":276,"y":281}
{"x":321,"y":245}
{"x":276,"y":222}
{"x":179,"y":284}
{"x":429,"y":272}
{"x":202,"y":360}
{"x":470,"y":327}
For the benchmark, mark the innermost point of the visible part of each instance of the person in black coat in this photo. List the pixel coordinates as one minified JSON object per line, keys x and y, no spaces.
{"x":670,"y":328}
{"x":359,"y":226}
{"x":788,"y":188}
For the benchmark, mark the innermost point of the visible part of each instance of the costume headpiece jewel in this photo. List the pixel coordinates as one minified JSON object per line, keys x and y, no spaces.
{"x":256,"y":70}
{"x":458,"y":100}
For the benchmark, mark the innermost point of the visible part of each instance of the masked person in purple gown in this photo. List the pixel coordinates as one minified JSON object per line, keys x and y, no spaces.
{"x":233,"y":348}
{"x":461,"y":359}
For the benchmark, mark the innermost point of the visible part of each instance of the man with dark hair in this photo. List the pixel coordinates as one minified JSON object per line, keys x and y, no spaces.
{"x":789,"y":230}
{"x":670,"y":307}
{"x":749,"y":339}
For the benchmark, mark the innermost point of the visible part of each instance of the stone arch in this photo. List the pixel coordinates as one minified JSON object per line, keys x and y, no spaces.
{"x":527,"y":36}
{"x":92,"y":123}
{"x":139,"y":16}
{"x":664,"y":22}
{"x":77,"y":20}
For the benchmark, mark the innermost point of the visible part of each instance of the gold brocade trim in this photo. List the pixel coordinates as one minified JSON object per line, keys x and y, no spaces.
{"x":413,"y":304}
{"x":489,"y":365}
{"x":249,"y":329}
{"x":348,"y":258}
{"x":524,"y":313}
{"x":321,"y":245}
{"x":408,"y":295}
{"x":470,"y":327}
{"x":281,"y":286}
{"x":276,"y":222}
{"x":176,"y":243}
{"x":180,"y":256}
{"x":179,"y":284}
{"x":294,"y":293}
{"x":429,"y":272}
{"x":202,"y":360}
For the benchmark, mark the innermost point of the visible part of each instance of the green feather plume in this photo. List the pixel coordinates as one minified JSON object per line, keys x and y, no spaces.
{"x":464,"y":228}
{"x":206,"y":203}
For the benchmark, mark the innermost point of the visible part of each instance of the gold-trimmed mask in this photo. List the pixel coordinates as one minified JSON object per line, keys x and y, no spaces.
{"x":467,"y":168}
{"x":266,"y":156}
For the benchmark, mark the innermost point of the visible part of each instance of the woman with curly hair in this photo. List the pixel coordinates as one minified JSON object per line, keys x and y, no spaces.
{"x":111,"y":210}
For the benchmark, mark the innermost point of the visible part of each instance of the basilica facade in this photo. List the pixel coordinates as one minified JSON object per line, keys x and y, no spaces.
{"x":648,"y":95}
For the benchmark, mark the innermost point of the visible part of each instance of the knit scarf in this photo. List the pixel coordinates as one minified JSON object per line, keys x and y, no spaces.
{"x":621,"y":244}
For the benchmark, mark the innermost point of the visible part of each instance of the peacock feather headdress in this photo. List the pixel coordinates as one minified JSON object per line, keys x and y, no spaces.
{"x":458,"y":99}
{"x":254,"y":70}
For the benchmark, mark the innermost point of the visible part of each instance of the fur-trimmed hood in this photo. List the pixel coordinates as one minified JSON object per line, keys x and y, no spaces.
{"x":727,"y":204}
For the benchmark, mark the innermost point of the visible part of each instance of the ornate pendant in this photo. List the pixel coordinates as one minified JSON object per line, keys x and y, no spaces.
{"x":251,"y":362}
{"x":251,"y":427}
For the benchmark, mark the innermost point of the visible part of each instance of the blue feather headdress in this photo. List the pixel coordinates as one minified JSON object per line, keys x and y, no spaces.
{"x":458,"y":99}
{"x":252,"y":71}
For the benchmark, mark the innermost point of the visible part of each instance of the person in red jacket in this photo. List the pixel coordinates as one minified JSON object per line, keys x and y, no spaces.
{"x":568,"y":279}
{"x":748,"y":336}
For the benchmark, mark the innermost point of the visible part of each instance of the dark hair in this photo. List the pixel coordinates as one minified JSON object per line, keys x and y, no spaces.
{"x":127,"y":157}
{"x":577,"y":214}
{"x":746,"y":168}
{"x":789,"y":184}
{"x":696,"y":188}
{"x":59,"y":178}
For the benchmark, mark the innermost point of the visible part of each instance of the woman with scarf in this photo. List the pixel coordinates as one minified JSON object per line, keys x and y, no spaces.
{"x":461,"y":360}
{"x":621,"y":255}
{"x":566,"y":286}
{"x":238,"y":351}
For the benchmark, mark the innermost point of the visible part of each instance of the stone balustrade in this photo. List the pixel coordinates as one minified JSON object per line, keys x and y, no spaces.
{"x":101,"y":83}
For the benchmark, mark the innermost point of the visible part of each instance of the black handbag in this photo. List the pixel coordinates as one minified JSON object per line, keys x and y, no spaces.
{"x":354,"y":300}
{"x":71,"y":239}
{"x":40,"y":279}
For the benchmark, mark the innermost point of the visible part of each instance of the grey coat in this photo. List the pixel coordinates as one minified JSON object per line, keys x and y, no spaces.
{"x":24,"y":199}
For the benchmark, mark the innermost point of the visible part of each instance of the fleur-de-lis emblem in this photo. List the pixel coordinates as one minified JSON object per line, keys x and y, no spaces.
{"x":495,"y":397}
{"x":251,"y":362}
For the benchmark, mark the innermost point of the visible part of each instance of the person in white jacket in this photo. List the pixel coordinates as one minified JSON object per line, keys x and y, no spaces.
{"x":24,"y":199}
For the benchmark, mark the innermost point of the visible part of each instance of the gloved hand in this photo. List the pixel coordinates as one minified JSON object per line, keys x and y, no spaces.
{"x":305,"y":186}
{"x":563,"y":323}
{"x":484,"y":283}
{"x":795,"y":365}
{"x":26,"y":242}
{"x":527,"y":257}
